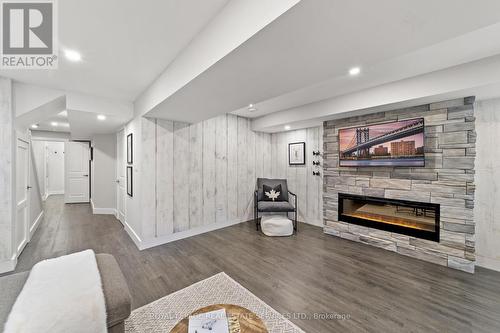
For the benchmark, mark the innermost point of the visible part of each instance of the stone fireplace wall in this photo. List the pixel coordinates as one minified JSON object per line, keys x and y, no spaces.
{"x":446,"y":179}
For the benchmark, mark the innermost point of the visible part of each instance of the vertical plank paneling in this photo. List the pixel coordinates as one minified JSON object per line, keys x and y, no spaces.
{"x":274,"y":154}
{"x":301,"y":174}
{"x":259,"y":154}
{"x":165,"y":177}
{"x":320,"y":178}
{"x":195,"y":175}
{"x":267,"y":148}
{"x":209,"y":171}
{"x":307,"y":187}
{"x":312,"y":212}
{"x":232,"y":167}
{"x":205,"y":173}
{"x":251,"y":162}
{"x":148,"y":179}
{"x":242,"y":167}
{"x":181,"y":177}
{"x":291,"y":170}
{"x":282,"y":155}
{"x":221,"y":169}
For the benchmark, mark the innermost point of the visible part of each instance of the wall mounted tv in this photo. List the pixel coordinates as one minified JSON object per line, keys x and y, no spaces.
{"x":397,"y":143}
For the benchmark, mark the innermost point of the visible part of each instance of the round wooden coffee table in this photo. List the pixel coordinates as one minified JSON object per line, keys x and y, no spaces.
{"x":249,"y":322}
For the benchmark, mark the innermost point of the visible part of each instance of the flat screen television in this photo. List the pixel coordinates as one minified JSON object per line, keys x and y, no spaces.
{"x":397,"y":143}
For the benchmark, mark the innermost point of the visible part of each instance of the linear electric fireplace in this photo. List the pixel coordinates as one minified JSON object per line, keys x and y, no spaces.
{"x":417,"y":219}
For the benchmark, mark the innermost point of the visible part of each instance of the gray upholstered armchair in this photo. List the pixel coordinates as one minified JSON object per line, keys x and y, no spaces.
{"x":262,"y":205}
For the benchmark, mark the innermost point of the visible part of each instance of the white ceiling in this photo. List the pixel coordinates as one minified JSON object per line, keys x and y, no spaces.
{"x":125,"y":44}
{"x":84,"y":125}
{"x":317,"y":41}
{"x":60,"y":121}
{"x":293,"y":59}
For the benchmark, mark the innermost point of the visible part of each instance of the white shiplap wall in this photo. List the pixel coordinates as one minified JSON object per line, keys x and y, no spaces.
{"x":198,"y":177}
{"x":205,"y":173}
{"x":301,"y":181}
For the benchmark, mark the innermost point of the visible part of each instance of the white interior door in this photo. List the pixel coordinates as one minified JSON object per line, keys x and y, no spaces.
{"x":120,"y":172}
{"x":76,"y":167}
{"x":22,"y":162}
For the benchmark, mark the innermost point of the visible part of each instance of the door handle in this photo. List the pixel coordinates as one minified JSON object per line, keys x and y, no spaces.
{"x":118,"y":181}
{"x":28,"y":187}
{"x":85,"y":175}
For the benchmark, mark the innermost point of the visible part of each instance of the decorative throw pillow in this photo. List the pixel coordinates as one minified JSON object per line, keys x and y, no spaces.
{"x":272,"y":193}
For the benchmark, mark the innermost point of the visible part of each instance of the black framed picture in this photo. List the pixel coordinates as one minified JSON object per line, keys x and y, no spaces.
{"x":129,"y":182}
{"x":130,"y":157}
{"x":297,"y":153}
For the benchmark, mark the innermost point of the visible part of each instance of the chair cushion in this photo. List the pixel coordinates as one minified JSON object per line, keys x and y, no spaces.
{"x":271,"y":183}
{"x":274,"y":206}
{"x":114,"y":286}
{"x":10,"y":287}
{"x":272,"y":193}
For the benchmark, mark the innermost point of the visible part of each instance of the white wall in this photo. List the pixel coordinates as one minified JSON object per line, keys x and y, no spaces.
{"x":487,"y":207}
{"x":104,"y":174}
{"x":38,"y":149}
{"x":36,"y":204}
{"x":133,"y":207}
{"x":301,"y":181}
{"x":50,"y":136}
{"x":203,"y":175}
{"x":7,"y":176}
{"x":55,"y":167}
{"x":190,"y":179}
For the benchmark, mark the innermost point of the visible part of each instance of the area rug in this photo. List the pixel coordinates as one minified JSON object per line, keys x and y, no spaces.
{"x":162,"y":315}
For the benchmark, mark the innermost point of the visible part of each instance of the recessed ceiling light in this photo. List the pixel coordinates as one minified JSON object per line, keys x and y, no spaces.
{"x":287,"y":127}
{"x":251,"y":108}
{"x":101,"y":117}
{"x":34,"y":126}
{"x":53,"y":123}
{"x":354,"y":71}
{"x":72,"y":55}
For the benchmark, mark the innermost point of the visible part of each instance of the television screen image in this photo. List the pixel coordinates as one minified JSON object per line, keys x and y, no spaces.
{"x":398,"y":143}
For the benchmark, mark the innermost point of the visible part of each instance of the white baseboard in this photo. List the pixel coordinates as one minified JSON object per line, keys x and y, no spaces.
{"x":45,"y":196}
{"x":489,"y":263}
{"x":54,"y":192}
{"x":148,"y":243}
{"x":106,"y":211}
{"x":35,"y":225}
{"x":133,"y":235}
{"x":8,"y":265}
{"x":316,"y":223}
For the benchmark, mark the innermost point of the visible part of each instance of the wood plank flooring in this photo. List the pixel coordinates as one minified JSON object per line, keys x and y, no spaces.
{"x":300,"y":276}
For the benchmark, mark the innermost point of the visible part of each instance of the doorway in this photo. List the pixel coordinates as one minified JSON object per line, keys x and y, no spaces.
{"x":77,"y":173}
{"x":22,"y":198}
{"x":120,"y":179}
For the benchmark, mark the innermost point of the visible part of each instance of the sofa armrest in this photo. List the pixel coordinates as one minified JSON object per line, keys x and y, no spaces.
{"x":115,"y":289}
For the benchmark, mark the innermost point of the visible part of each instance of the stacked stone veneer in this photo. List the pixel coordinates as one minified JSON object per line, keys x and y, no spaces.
{"x":446,"y":179}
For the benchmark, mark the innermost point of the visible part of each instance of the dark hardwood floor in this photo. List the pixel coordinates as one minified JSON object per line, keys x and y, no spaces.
{"x":307,"y":274}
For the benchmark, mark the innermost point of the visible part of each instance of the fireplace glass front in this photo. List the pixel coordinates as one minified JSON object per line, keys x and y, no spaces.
{"x":411,"y":218}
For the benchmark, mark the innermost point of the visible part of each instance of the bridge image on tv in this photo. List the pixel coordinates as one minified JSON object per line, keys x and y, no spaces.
{"x":398,"y":143}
